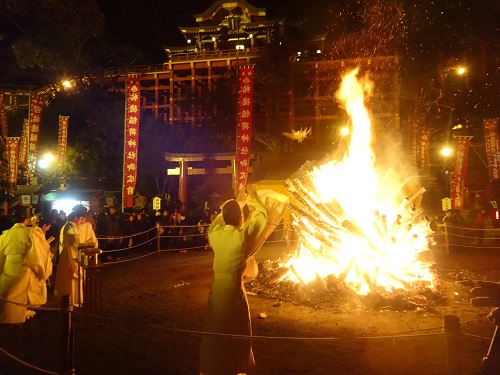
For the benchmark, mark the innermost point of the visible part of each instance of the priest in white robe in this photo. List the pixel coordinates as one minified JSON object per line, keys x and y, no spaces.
{"x":69,"y":277}
{"x":37,"y":288}
{"x":19,"y":261}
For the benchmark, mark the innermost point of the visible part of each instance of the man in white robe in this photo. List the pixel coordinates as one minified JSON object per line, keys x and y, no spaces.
{"x":37,"y":289}
{"x":69,"y":277}
{"x":19,"y":261}
{"x":86,"y":232}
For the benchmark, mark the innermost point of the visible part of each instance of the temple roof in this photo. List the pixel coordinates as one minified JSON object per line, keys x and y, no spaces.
{"x":261,"y":24}
{"x":218,"y":28}
{"x":249,"y":9}
{"x":200,"y":29}
{"x":181,"y":49}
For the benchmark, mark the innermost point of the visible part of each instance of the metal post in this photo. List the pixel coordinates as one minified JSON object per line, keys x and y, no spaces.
{"x":453,"y":344}
{"x":491,"y":363}
{"x":71,"y":354}
{"x":67,"y":332}
{"x":158,"y":236}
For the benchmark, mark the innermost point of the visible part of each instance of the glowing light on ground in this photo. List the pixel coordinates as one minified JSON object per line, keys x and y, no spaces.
{"x":359,"y":226}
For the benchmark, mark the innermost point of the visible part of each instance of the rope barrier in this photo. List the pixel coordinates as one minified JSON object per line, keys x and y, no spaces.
{"x":170,"y":227}
{"x":404,"y":334}
{"x":476,"y":336}
{"x":129,"y":247}
{"x":109,"y":263}
{"x":192,"y":236}
{"x":109,"y":238}
{"x":474,"y":237}
{"x":26,"y":363}
{"x":169,"y":236}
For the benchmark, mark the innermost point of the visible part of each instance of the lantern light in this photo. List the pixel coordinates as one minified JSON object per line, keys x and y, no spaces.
{"x":446,"y":151}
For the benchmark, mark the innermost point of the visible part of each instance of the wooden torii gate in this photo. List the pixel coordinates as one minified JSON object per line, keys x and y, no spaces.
{"x":200,"y":164}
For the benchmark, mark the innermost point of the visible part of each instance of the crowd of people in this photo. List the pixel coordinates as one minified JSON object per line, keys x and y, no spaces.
{"x":27,"y":249}
{"x":122,"y":232}
{"x":31,"y":245}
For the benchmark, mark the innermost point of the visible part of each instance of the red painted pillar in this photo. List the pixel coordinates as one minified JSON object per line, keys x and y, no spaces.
{"x":183,"y":183}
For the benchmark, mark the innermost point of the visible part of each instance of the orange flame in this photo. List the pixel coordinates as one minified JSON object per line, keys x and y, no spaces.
{"x":363,"y":229}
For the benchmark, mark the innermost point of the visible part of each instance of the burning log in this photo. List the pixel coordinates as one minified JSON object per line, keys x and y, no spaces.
{"x":346,"y":270}
{"x":297,"y":275}
{"x":369,"y":281}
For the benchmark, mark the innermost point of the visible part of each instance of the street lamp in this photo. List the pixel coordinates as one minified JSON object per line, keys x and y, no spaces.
{"x":446,"y":151}
{"x":47,"y":162}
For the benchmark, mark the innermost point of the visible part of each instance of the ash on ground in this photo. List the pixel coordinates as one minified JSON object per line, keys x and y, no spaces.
{"x":332,"y":294}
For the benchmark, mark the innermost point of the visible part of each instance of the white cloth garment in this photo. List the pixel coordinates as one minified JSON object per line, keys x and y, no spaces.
{"x":37,"y":288}
{"x":19,"y":261}
{"x":67,"y":270}
{"x":67,"y":280}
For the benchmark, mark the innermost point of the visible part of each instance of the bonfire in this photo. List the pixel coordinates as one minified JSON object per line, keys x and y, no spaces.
{"x":357,"y":226}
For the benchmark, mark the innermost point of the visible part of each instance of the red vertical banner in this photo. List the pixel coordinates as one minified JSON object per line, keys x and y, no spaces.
{"x":131,"y":139}
{"x":23,"y":147}
{"x":424,"y":141}
{"x":35,"y":120}
{"x":460,"y":161}
{"x":12,"y":158}
{"x":62,"y":140}
{"x":244,"y":133}
{"x":492,"y":141}
{"x":414,"y":142}
{"x":3,"y":117}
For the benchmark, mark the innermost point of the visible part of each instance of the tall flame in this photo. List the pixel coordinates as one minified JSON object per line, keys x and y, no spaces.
{"x":365,"y":230}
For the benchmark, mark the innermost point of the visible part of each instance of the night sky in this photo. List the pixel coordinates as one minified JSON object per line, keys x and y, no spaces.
{"x":158,"y":21}
{"x":440,"y":28}
{"x":437,"y":27}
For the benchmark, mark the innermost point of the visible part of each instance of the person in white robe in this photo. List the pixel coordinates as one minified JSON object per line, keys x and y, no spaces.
{"x":37,"y":288}
{"x":69,"y":276}
{"x":19,"y":261}
{"x":234,"y":241}
{"x":86,"y":232}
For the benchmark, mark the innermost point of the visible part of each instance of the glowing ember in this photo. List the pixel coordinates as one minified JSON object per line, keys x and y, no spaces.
{"x":363,"y":229}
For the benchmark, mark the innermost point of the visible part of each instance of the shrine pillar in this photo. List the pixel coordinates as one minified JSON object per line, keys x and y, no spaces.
{"x":183,"y":182}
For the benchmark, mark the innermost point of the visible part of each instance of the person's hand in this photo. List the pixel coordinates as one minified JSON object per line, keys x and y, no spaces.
{"x":486,"y":294}
{"x":242,"y":198}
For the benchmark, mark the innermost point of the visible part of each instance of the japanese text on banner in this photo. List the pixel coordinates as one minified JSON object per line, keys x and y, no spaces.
{"x":244,"y":134}
{"x":23,"y":147}
{"x":12,"y":158}
{"x":423,"y":148}
{"x":131,"y":139}
{"x":62,"y":140}
{"x":492,"y":141}
{"x":35,"y":120}
{"x":459,"y":171}
{"x":3,"y":117}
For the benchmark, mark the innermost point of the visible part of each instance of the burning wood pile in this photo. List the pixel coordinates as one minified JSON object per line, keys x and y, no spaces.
{"x":358,"y":233}
{"x":329,"y":293}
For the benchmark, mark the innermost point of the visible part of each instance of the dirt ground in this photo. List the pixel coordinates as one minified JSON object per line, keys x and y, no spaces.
{"x":152,"y":311}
